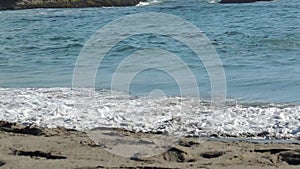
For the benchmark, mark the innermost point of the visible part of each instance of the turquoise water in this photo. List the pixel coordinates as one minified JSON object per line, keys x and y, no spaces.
{"x":259,"y":46}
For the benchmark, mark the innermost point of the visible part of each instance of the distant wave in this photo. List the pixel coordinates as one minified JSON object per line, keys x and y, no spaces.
{"x":213,"y":1}
{"x":149,"y":2}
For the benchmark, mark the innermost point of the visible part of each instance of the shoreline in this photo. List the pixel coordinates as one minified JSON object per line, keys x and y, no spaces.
{"x":33,"y":129}
{"x":64,"y":148}
{"x":32,"y":4}
{"x":56,"y":107}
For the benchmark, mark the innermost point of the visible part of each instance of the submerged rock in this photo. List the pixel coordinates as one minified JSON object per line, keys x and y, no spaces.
{"x":28,"y":4}
{"x":240,"y":1}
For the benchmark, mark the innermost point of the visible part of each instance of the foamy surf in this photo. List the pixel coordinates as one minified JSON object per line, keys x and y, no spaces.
{"x":85,"y":110}
{"x":214,"y":1}
{"x":149,"y":2}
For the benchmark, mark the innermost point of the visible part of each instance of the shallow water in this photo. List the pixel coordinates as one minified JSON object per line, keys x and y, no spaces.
{"x":259,"y":46}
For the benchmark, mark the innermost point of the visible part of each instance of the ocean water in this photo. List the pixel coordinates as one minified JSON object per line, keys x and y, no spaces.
{"x":258,"y":44}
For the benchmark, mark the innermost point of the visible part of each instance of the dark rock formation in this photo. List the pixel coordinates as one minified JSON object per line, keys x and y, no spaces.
{"x":291,"y":157}
{"x":28,"y":4}
{"x":240,"y":1}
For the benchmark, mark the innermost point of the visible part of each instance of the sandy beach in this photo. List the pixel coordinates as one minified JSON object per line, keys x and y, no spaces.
{"x":33,"y":147}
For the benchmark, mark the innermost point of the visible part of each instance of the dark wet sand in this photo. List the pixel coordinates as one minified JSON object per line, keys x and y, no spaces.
{"x":31,"y":147}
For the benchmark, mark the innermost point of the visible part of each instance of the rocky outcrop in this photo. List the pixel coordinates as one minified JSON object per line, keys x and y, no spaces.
{"x":28,"y":4}
{"x":240,"y":1}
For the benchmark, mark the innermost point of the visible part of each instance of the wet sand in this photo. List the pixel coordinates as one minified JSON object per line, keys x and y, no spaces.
{"x":33,"y":147}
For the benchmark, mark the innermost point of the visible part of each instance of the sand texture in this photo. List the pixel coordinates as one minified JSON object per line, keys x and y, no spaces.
{"x":33,"y":147}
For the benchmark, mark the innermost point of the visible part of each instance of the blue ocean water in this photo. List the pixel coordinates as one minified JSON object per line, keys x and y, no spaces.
{"x":258,"y":43}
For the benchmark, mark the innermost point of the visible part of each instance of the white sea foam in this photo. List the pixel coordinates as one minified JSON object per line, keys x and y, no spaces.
{"x":83,"y":110}
{"x":214,"y":1}
{"x":149,"y":2}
